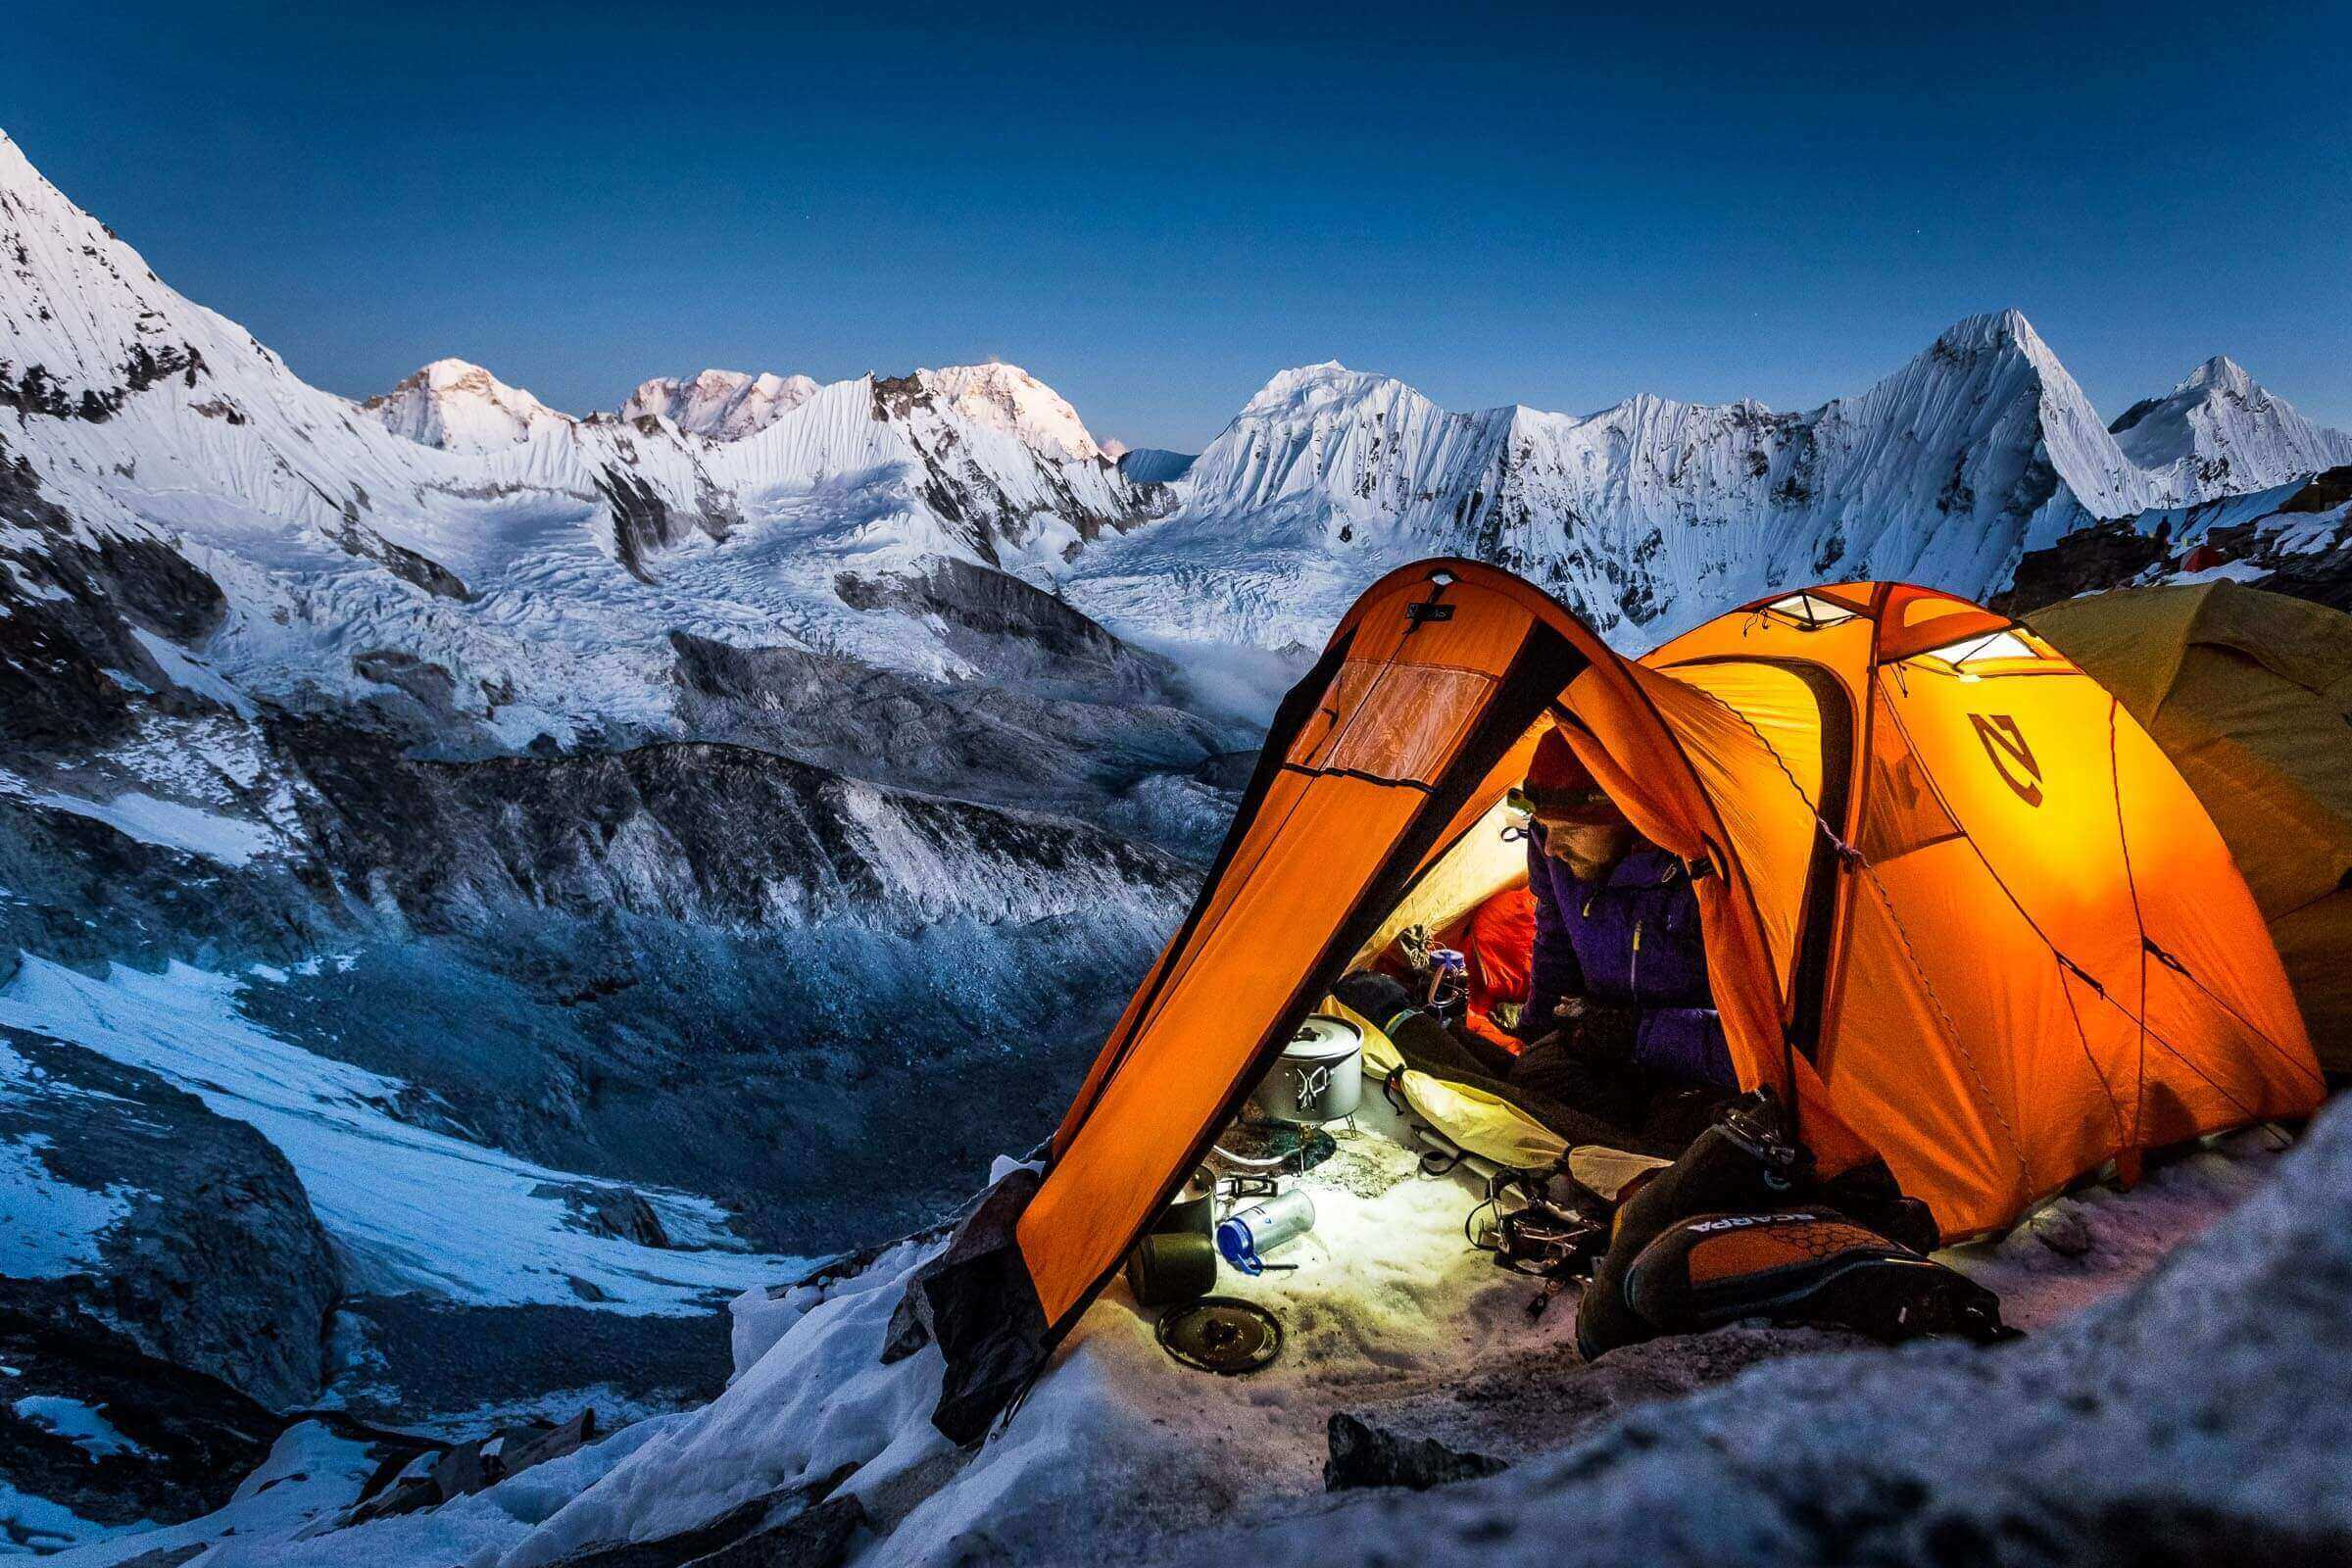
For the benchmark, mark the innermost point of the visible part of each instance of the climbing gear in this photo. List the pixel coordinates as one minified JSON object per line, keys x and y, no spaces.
{"x":1741,"y":1227}
{"x":1807,"y":1265}
{"x":1543,"y":1224}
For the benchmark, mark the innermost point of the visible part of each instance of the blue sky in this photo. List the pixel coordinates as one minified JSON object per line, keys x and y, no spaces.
{"x":1153,"y":212}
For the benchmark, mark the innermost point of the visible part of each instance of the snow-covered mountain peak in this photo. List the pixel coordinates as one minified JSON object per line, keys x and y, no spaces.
{"x":1995,"y":330}
{"x":1307,"y":387}
{"x":2221,"y":431}
{"x":723,"y":405}
{"x":1011,"y":399}
{"x":84,"y":324}
{"x":2223,"y":373}
{"x":1991,"y":379}
{"x":459,"y":406}
{"x":15,"y":167}
{"x":1652,"y":513}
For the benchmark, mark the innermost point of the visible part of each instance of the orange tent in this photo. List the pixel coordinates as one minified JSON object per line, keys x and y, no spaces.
{"x":1958,"y":909}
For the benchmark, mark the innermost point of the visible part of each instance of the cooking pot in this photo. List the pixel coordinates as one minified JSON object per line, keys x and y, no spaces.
{"x":1194,"y":1208}
{"x":1320,"y":1077}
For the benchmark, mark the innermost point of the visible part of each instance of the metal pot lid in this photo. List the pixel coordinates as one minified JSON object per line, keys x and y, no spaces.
{"x":1324,"y":1037}
{"x":1221,"y":1333}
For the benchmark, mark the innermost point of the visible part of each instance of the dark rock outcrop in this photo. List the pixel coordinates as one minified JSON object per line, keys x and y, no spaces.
{"x":1366,"y":1455}
{"x":788,"y":1530}
{"x":2115,"y":551}
{"x":414,"y":1476}
{"x":1035,"y":744}
{"x":427,"y":1354}
{"x":1008,"y":626}
{"x":68,"y":609}
{"x":615,"y":1211}
{"x":718,"y":836}
{"x":186,"y":1439}
{"x":2103,"y":555}
{"x":1227,"y":770}
{"x":217,"y":1262}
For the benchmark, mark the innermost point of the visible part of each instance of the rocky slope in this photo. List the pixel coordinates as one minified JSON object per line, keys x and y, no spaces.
{"x":2294,"y":538}
{"x":183,"y":1231}
{"x":444,"y":806}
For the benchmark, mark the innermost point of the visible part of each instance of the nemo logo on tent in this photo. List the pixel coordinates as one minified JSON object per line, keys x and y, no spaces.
{"x":2005,"y":743}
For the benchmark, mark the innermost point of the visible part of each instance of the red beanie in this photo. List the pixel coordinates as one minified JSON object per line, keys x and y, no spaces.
{"x":1559,"y":784}
{"x":1556,"y":766}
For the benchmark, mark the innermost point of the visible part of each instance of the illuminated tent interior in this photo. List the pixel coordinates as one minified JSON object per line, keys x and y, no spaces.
{"x":1959,"y":910}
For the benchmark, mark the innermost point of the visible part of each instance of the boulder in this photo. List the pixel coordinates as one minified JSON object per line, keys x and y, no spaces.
{"x":617,"y":1211}
{"x":210,"y":1257}
{"x":91,"y":1422}
{"x":800,"y":1527}
{"x":1365,"y":1456}
{"x":523,"y":1450}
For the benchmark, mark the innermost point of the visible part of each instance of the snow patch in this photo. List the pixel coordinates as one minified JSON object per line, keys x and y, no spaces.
{"x":80,"y":1423}
{"x":168,"y":824}
{"x":36,"y":1525}
{"x":49,"y":1228}
{"x":186,"y":671}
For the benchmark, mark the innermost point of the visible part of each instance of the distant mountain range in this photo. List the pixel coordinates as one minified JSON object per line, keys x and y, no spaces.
{"x":1653,"y":515}
{"x":454,"y":511}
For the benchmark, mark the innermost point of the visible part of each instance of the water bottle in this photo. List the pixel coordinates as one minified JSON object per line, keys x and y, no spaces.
{"x":1247,"y":1237}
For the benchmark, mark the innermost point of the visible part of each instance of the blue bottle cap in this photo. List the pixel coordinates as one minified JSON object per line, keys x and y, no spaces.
{"x":1239,"y":1247}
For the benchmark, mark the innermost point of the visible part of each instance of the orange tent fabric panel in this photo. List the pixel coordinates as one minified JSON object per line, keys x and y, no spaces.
{"x":1999,"y":1027}
{"x":1205,"y":1030}
{"x":1359,"y":771}
{"x":1753,"y":732}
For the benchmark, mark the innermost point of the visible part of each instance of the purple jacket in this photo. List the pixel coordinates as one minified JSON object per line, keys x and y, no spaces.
{"x":1630,"y":936}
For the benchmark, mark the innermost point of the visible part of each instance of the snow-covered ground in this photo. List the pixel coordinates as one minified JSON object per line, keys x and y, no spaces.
{"x":1122,"y":1449}
{"x":42,"y":1525}
{"x":412,"y":1208}
{"x":2198,"y":1417}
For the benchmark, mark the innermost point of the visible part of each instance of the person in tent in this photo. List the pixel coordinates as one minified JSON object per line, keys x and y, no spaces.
{"x":1616,"y":1038}
{"x":1618,"y":999}
{"x":1617,"y":927}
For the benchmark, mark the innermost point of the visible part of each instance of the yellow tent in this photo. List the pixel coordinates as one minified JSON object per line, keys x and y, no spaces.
{"x":2250,"y":694}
